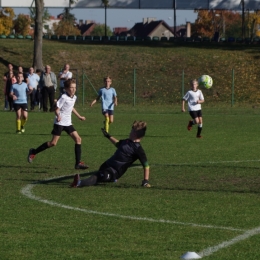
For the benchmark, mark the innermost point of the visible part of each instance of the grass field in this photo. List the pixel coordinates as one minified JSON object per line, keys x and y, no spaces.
{"x":204,"y":195}
{"x":159,"y":69}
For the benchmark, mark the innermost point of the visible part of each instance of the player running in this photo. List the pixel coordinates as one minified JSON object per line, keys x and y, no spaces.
{"x":195,"y":98}
{"x":62,"y":122}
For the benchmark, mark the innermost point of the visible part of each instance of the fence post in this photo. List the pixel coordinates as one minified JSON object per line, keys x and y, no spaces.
{"x":232,"y":88}
{"x":182,"y":84}
{"x":134,"y":86}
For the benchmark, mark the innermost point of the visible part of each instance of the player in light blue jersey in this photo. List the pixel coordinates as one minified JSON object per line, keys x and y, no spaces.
{"x":18,"y":93}
{"x":109,"y":100}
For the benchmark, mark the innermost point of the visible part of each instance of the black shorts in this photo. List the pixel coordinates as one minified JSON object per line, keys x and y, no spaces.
{"x":106,"y":174}
{"x":24,"y":107}
{"x":107,"y":111}
{"x":195,"y":114}
{"x":57,"y":129}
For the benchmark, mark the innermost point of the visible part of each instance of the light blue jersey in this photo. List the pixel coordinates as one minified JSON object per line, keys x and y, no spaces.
{"x":20,"y":91}
{"x":107,"y":97}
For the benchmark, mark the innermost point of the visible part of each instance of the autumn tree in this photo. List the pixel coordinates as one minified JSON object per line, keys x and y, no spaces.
{"x":67,"y":24}
{"x":225,"y":23}
{"x":65,"y":28}
{"x":6,"y":20}
{"x":253,"y":21}
{"x":22,"y":24}
{"x":99,"y":30}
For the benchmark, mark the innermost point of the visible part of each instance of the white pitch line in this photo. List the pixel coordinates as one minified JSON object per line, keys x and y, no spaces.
{"x":27,"y":191}
{"x":210,"y":250}
{"x":209,"y":162}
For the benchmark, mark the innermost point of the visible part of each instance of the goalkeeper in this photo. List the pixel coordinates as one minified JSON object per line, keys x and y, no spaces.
{"x":128,"y":151}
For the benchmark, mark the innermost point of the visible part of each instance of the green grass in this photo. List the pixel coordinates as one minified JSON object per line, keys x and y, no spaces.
{"x":204,"y":191}
{"x":158,"y":68}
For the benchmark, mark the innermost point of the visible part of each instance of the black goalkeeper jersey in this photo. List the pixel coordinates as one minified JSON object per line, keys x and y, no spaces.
{"x":126,"y":154}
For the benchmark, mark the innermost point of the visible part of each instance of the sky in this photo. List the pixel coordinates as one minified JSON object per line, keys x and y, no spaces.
{"x":123,"y":17}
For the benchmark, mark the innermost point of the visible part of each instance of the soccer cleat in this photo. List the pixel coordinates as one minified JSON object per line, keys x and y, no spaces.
{"x":22,"y":129}
{"x":199,"y":136}
{"x":189,"y":127}
{"x":18,"y":132}
{"x":31,"y":156}
{"x":76,"y":181}
{"x":81,"y":166}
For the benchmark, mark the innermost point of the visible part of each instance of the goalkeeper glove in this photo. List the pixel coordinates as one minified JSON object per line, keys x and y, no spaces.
{"x":145,"y":183}
{"x":105,"y":133}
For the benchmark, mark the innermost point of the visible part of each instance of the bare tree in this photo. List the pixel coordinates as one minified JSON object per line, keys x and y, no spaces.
{"x":39,"y":13}
{"x":37,"y":54}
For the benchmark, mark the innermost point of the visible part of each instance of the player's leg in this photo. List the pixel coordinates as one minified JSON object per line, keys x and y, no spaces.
{"x":193,"y":121}
{"x":199,"y":127}
{"x":56,"y":132}
{"x":77,"y":139}
{"x":111,"y":117}
{"x":77,"y":182}
{"x":18,"y":112}
{"x":106,"y":121}
{"x":24,"y":117}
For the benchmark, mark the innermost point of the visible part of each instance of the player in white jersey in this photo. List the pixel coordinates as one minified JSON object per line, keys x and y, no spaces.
{"x":195,"y":98}
{"x":62,"y":122}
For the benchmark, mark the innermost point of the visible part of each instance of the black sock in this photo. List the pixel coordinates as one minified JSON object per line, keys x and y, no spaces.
{"x":77,"y":153}
{"x":41,"y":148}
{"x":199,"y":131}
{"x":92,"y":180}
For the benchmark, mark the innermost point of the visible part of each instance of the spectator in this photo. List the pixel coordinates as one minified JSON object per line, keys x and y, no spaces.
{"x":38,"y":95}
{"x":25,"y":75}
{"x":10,"y":68}
{"x":64,"y":75}
{"x":33,"y":81}
{"x":48,"y":84}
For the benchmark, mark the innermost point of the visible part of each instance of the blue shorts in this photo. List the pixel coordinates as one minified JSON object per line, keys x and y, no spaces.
{"x":107,"y":111}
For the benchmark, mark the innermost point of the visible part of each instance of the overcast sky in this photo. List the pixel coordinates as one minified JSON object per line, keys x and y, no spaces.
{"x":123,"y":17}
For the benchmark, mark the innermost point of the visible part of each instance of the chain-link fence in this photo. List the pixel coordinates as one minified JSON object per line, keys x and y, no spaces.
{"x":167,"y":86}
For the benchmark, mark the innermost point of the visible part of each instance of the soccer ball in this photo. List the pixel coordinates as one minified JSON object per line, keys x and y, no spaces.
{"x":205,"y":81}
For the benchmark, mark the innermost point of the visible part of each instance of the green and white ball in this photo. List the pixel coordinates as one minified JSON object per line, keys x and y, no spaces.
{"x":205,"y":81}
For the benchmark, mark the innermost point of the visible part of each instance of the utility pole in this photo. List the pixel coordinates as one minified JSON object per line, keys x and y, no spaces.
{"x":243,"y":18}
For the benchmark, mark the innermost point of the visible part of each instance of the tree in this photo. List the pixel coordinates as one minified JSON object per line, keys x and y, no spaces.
{"x":39,"y":11}
{"x":22,"y":24}
{"x":65,"y":28}
{"x":100,"y":29}
{"x":45,"y":17}
{"x":224,"y":23}
{"x":6,"y":20}
{"x":67,"y":24}
{"x":37,"y":54}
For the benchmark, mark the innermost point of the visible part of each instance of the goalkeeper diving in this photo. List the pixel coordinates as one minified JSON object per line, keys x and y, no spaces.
{"x":128,"y":151}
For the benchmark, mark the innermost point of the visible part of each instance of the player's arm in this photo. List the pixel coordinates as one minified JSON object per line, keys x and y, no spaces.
{"x":75,"y":112}
{"x":183,"y":105}
{"x":115,"y":100}
{"x":112,"y":139}
{"x":95,"y":100}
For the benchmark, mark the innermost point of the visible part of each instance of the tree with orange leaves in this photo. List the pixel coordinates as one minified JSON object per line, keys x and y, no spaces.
{"x":6,"y":20}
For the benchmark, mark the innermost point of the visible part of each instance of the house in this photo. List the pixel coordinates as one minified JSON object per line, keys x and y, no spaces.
{"x":48,"y":25}
{"x":152,"y":28}
{"x":117,"y":31}
{"x":87,"y":27}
